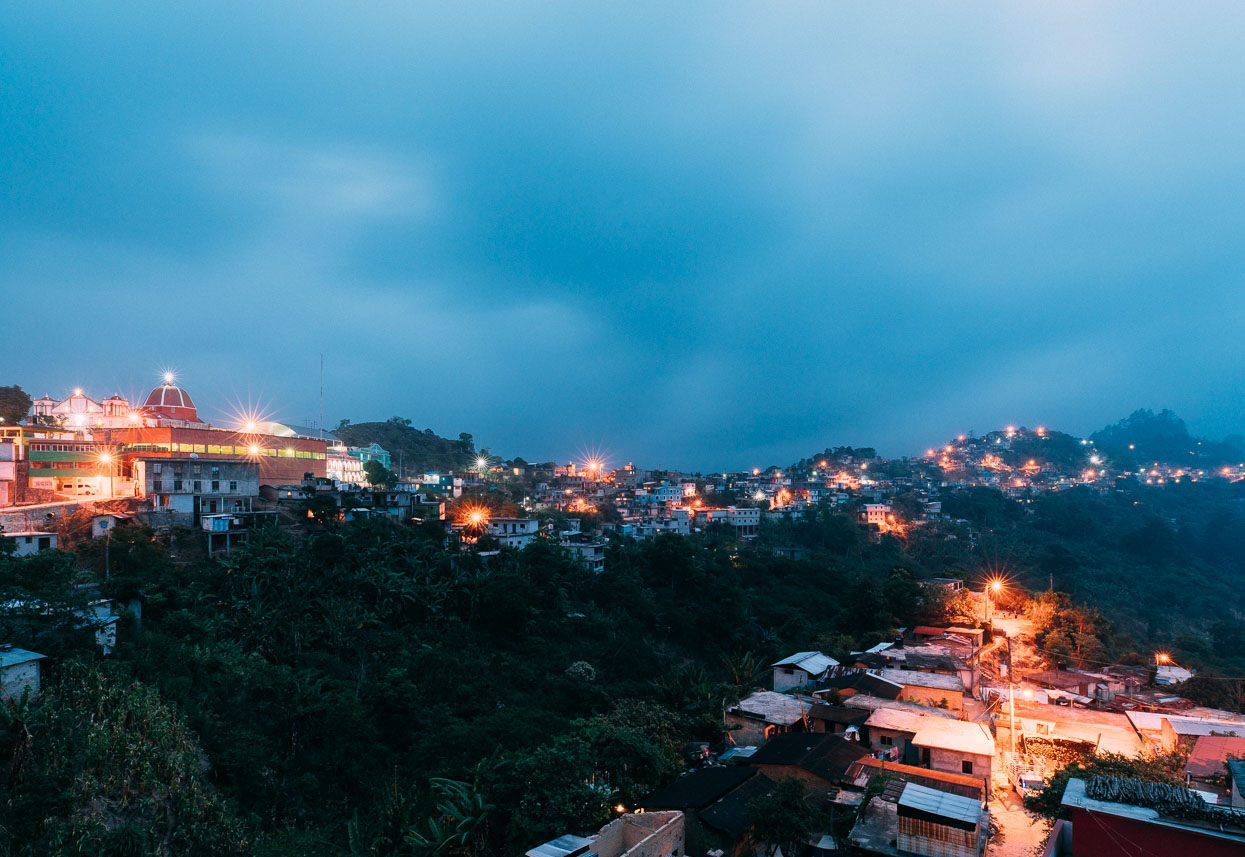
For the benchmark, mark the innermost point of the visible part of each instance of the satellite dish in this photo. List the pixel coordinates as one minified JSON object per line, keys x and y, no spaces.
{"x":194,"y":455}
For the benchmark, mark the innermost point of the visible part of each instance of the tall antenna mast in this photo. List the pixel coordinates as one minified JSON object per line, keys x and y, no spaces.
{"x":321,"y":395}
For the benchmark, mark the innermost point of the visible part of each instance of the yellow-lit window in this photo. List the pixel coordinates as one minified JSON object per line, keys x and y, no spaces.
{"x":213,"y":449}
{"x":199,"y":447}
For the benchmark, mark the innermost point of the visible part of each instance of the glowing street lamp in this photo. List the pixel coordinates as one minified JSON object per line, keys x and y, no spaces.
{"x":105,"y":458}
{"x":993,"y":587}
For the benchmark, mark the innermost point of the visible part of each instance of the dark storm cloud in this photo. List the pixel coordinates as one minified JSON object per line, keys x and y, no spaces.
{"x":718,"y":235}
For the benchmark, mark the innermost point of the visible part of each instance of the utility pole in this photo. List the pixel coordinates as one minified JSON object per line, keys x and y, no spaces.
{"x":1011,"y":694}
{"x":321,"y":395}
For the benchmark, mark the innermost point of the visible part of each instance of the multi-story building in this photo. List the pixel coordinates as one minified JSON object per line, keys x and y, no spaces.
{"x":514,"y":532}
{"x":345,"y":463}
{"x":745,"y":520}
{"x":187,"y":486}
{"x":589,"y":551}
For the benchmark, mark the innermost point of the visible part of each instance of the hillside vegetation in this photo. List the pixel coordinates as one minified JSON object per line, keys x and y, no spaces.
{"x":413,"y":452}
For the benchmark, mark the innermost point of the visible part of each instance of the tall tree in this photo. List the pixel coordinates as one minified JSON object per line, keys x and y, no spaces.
{"x":14,"y":404}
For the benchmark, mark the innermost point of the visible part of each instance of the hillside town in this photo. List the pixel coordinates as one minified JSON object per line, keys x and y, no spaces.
{"x":928,"y":742}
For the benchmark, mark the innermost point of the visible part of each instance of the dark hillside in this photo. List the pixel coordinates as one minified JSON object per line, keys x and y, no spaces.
{"x":413,"y":451}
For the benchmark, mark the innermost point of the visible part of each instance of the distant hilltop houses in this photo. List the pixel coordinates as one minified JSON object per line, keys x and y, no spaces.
{"x":161,"y":461}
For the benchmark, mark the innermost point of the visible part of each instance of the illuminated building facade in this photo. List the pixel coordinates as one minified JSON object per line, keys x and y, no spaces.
{"x":345,"y":463}
{"x":81,"y":446}
{"x":81,"y":411}
{"x":197,"y":486}
{"x":279,"y":460}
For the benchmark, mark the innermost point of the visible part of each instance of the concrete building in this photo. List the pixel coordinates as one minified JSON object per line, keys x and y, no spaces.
{"x":8,"y":472}
{"x":641,"y":834}
{"x":927,"y":740}
{"x":195,"y":486}
{"x":515,"y":533}
{"x":746,"y":521}
{"x":763,"y":714}
{"x":955,"y":747}
{"x":800,"y":669}
{"x":588,"y":551}
{"x":933,"y":689}
{"x":31,"y":542}
{"x":19,"y":671}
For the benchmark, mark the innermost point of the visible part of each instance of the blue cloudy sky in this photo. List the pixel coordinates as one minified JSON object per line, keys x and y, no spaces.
{"x":698,"y":235}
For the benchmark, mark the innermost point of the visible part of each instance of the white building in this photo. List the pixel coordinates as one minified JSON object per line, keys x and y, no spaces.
{"x":588,"y":551}
{"x":746,"y":521}
{"x":800,"y":669}
{"x":514,"y":532}
{"x":19,"y":671}
{"x":31,"y":542}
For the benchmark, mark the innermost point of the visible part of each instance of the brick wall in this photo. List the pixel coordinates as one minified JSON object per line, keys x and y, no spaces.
{"x":643,"y":834}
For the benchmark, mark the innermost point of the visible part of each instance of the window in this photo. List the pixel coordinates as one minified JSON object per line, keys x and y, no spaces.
{"x":156,"y":467}
{"x":233,"y":486}
{"x":177,"y":484}
{"x":886,"y":741}
{"x":966,"y":766}
{"x":215,"y":485}
{"x":216,"y":472}
{"x":196,"y":469}
{"x":198,"y":486}
{"x":157,"y":486}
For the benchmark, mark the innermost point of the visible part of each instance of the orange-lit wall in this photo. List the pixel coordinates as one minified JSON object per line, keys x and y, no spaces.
{"x":282,"y":460}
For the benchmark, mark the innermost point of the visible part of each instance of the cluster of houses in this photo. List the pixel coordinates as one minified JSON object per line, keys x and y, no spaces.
{"x":882,"y":739}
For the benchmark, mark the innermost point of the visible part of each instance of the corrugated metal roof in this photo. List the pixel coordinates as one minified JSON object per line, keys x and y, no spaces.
{"x":563,"y":846}
{"x":814,"y":663}
{"x":13,"y":657}
{"x":919,"y":801}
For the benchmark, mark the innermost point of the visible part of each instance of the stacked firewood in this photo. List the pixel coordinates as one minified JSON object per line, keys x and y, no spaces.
{"x":1059,"y":751}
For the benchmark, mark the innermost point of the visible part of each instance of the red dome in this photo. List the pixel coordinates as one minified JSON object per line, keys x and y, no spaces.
{"x":173,"y":402}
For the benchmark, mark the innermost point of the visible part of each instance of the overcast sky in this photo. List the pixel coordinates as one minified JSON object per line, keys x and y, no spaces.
{"x":700,"y":235}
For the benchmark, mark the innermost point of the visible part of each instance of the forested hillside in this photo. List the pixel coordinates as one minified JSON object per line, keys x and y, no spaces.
{"x":324,"y":693}
{"x":413,"y":452}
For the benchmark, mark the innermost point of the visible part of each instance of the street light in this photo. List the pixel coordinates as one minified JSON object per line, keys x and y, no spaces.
{"x":105,"y":458}
{"x":993,"y":587}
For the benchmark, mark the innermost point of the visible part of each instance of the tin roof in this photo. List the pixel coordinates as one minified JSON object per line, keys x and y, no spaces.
{"x":563,"y":846}
{"x":814,"y":663}
{"x":13,"y":657}
{"x":939,"y":807}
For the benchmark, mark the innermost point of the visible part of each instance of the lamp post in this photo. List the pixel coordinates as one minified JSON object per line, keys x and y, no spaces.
{"x":105,"y":459}
{"x":1011,"y":699}
{"x":994,"y":586}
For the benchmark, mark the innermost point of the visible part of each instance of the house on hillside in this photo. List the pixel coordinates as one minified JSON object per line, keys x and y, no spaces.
{"x":801,"y":669}
{"x":926,"y":688}
{"x":30,"y":542}
{"x":19,"y":671}
{"x":694,"y":794}
{"x":819,"y":760}
{"x":934,"y":819}
{"x":930,"y":741}
{"x":846,"y":683}
{"x":763,"y":714}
